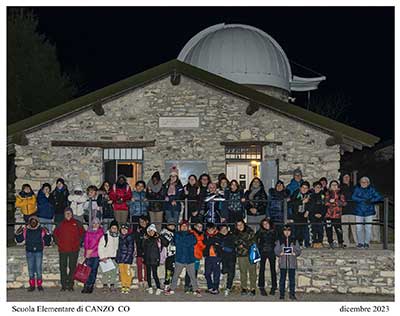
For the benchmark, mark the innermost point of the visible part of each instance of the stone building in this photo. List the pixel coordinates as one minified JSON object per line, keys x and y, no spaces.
{"x":222,"y":106}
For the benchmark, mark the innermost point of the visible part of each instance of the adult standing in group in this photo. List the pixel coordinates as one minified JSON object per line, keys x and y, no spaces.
{"x":45,"y":210}
{"x":204,"y":181}
{"x":154,"y":194}
{"x":120,"y":194}
{"x":59,"y":199}
{"x":173,"y":192}
{"x":256,"y":203}
{"x":365,"y":197}
{"x":296,"y":181}
{"x":275,"y":208}
{"x":348,"y":216}
{"x":68,"y":236}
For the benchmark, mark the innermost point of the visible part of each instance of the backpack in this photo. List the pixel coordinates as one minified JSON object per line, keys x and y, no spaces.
{"x":254,"y":254}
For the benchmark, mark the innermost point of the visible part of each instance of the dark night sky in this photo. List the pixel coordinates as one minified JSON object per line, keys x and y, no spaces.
{"x":352,"y":47}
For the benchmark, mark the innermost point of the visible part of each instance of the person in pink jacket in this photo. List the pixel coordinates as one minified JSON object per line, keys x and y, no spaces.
{"x":91,"y":246}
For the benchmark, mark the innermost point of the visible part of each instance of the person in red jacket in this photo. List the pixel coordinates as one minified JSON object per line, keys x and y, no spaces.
{"x":120,"y":194}
{"x":68,"y":236}
{"x":334,"y":202}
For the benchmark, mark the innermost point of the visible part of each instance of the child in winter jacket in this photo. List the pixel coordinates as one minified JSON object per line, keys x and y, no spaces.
{"x":287,"y":250}
{"x":139,"y":237}
{"x":108,"y":247}
{"x":91,"y":247}
{"x":36,"y":237}
{"x":191,"y":192}
{"x":197,"y":231}
{"x":45,"y":210}
{"x":26,"y":202}
{"x":105,"y":204}
{"x":299,"y":204}
{"x":120,"y":194}
{"x":276,"y":200}
{"x":167,"y":241}
{"x":212,"y":259}
{"x":265,"y":240}
{"x":244,"y":238}
{"x":317,"y":214}
{"x":59,"y":199}
{"x":228,"y":256}
{"x":139,"y":204}
{"x":91,"y":209}
{"x":126,"y":248}
{"x":77,"y":199}
{"x":334,"y":202}
{"x":152,"y":248}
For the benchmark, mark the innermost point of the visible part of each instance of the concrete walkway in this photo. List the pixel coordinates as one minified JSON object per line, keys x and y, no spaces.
{"x":53,"y":294}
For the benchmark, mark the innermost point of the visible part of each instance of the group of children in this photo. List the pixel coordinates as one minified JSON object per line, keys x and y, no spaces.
{"x":224,"y":224}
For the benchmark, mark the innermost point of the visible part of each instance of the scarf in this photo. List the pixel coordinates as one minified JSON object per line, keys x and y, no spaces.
{"x":171,"y":188}
{"x":156,"y":188}
{"x":253,"y":192}
{"x":23,"y":194}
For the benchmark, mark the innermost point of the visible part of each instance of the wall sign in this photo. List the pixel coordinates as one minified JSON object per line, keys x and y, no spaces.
{"x":179,"y":122}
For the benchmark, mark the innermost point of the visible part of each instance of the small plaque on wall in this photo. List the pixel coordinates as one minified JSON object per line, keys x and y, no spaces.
{"x":179,"y":122}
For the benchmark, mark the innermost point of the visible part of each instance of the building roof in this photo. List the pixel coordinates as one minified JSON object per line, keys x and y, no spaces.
{"x":354,"y":136}
{"x":246,"y":55}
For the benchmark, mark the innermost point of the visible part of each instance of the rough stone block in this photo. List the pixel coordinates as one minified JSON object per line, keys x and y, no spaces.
{"x":303,"y":281}
{"x":363,"y":290}
{"x":387,"y":274}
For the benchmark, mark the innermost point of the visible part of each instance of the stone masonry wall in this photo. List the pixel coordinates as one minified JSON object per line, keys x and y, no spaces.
{"x":134,"y":117}
{"x":320,"y":271}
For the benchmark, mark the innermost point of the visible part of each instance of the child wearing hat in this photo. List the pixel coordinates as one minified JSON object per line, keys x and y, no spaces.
{"x":152,"y":247}
{"x":287,"y":250}
{"x":108,"y":247}
{"x":36,"y":237}
{"x":124,"y":258}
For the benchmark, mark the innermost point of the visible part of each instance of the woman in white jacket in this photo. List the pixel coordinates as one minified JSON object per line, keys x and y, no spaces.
{"x":108,"y":247}
{"x":77,"y":199}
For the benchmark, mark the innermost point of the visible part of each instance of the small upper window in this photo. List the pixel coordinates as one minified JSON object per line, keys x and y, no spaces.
{"x":123,"y":154}
{"x":248,"y":152}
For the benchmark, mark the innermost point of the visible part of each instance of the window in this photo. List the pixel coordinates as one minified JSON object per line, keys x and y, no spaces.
{"x":247,"y":152}
{"x":123,"y":154}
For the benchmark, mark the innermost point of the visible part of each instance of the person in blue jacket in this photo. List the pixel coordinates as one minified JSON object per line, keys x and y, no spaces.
{"x":138,"y":205}
{"x":45,"y":209}
{"x":296,"y":181}
{"x":365,"y":196}
{"x":184,"y":258}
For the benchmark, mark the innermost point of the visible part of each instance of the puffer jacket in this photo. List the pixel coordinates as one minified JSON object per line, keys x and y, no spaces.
{"x":102,"y":201}
{"x":334,"y":210}
{"x":59,"y":199}
{"x":199,"y":247}
{"x":167,"y":240}
{"x":151,"y":246}
{"x":108,"y":246}
{"x":120,"y":196}
{"x":126,"y":248}
{"x":68,"y":235}
{"x":243,"y":240}
{"x":259,"y":202}
{"x":44,"y":208}
{"x":140,"y":205}
{"x":294,"y":185}
{"x":184,"y":242}
{"x":287,"y":261}
{"x":26,"y":203}
{"x":179,"y":195}
{"x":212,"y":240}
{"x":35,"y":238}
{"x":265,"y":240}
{"x":365,"y":199}
{"x":77,"y":202}
{"x":91,"y":242}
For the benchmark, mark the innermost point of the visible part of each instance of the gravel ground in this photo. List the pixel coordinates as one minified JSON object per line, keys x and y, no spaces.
{"x":53,"y":294}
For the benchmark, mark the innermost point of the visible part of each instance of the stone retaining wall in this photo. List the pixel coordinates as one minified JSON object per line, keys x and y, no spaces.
{"x":320,"y":271}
